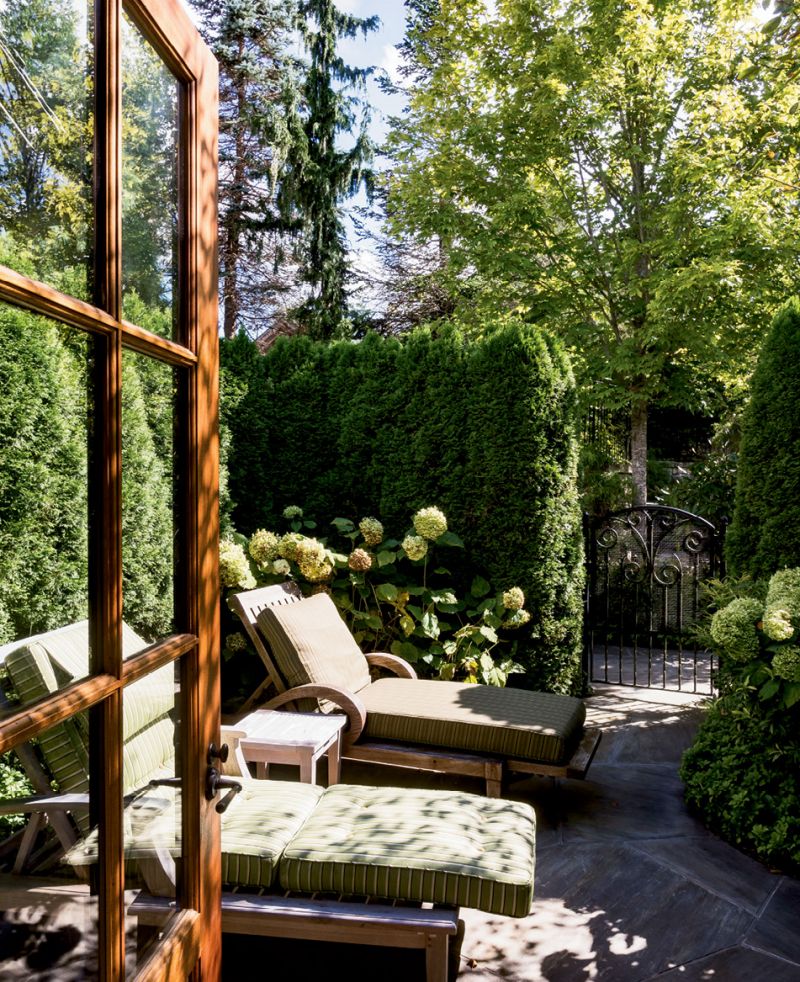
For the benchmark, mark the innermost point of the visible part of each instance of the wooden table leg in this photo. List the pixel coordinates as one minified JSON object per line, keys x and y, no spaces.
{"x":436,"y":958}
{"x":334,"y":761}
{"x":494,"y":779}
{"x":308,"y":767}
{"x":262,"y":769}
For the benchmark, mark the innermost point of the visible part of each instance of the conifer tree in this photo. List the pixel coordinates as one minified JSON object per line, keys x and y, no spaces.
{"x":765,"y":533}
{"x":323,"y":174}
{"x":259,"y":123}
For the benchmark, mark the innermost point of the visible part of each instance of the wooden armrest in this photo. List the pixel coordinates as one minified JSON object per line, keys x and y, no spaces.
{"x":348,"y":701}
{"x":71,"y":801}
{"x":397,"y":666}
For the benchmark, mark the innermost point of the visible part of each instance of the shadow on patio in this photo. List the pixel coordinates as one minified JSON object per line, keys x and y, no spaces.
{"x":629,"y":885}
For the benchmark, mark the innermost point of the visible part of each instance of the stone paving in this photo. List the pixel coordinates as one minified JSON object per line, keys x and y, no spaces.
{"x":629,"y":886}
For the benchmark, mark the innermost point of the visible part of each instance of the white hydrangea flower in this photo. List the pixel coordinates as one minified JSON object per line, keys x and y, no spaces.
{"x":414,"y":546}
{"x":430,"y":523}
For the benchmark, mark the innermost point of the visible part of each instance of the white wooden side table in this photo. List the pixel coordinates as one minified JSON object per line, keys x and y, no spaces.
{"x":292,"y":738}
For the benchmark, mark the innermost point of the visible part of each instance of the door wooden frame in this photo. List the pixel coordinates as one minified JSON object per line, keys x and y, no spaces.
{"x":196,"y":930}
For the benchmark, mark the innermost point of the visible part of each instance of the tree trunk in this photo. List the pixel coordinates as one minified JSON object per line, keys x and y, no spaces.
{"x":639,"y":452}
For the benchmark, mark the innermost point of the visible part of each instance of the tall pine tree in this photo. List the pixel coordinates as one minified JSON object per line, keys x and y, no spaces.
{"x":324,"y":174}
{"x":259,"y":123}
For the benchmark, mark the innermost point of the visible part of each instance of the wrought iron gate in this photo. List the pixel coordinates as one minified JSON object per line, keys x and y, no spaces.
{"x":645,"y":566}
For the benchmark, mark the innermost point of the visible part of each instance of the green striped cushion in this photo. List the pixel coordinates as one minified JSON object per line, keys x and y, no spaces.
{"x":311,"y":643}
{"x":255,"y":829}
{"x":47,"y":662}
{"x":259,"y":824}
{"x":437,"y":846}
{"x":537,"y":726}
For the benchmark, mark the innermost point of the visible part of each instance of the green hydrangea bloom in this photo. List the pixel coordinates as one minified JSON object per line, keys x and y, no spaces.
{"x":514,"y":599}
{"x":281,"y":568}
{"x":430,"y":523}
{"x":236,"y":642}
{"x":782,"y":608}
{"x":312,"y":558}
{"x":414,"y":546}
{"x":316,"y":572}
{"x":372,"y":530}
{"x":786,"y":663}
{"x":734,"y":628}
{"x":263,"y":546}
{"x":234,"y":569}
{"x":287,"y":547}
{"x":777,"y":624}
{"x":292,"y":511}
{"x":359,"y":560}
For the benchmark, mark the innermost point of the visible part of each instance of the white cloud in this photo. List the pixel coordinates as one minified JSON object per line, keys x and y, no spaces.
{"x":390,"y":62}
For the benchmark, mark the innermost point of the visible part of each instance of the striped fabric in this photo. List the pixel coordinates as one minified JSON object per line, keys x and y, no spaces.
{"x":311,"y":643}
{"x":536,"y":726}
{"x":436,"y":846}
{"x":47,"y":662}
{"x":256,"y":828}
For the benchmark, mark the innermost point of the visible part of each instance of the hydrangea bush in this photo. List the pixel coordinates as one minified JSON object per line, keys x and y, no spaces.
{"x":395,"y":594}
{"x":760,"y":639}
{"x":742,"y":774}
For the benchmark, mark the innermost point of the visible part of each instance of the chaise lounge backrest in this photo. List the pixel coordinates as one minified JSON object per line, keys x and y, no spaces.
{"x":311,"y":644}
{"x":46,"y":663}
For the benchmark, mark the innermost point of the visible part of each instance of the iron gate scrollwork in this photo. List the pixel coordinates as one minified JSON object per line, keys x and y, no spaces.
{"x":645,"y":567}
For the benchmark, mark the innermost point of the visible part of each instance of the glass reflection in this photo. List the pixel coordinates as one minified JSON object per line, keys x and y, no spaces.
{"x":149,"y":186}
{"x":152,"y":816}
{"x":48,"y":925}
{"x":46,"y":79}
{"x":44,"y":418}
{"x":148,"y":522}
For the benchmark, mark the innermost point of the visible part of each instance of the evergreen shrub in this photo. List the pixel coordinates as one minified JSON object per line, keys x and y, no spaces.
{"x":483,"y":429}
{"x":764,"y":535}
{"x":742,"y":774}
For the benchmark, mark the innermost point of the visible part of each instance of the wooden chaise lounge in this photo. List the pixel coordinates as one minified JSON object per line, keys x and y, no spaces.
{"x":446,"y":848}
{"x":477,"y":730}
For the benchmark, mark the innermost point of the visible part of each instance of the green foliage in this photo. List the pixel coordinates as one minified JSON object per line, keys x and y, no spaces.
{"x":322,"y":173}
{"x":13,"y":784}
{"x":765,"y":533}
{"x":44,"y":375}
{"x":259,"y":127}
{"x":743,"y":771}
{"x":398,"y":596}
{"x":742,"y":774}
{"x":147,"y":520}
{"x":46,"y":139}
{"x":483,"y":428}
{"x":608,"y":170}
{"x":43,"y":463}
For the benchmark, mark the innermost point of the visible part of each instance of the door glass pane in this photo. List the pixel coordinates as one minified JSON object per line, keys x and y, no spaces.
{"x":152,"y":817}
{"x":149,"y":186}
{"x":44,"y":415}
{"x":46,"y":141}
{"x":148,"y":496}
{"x":49,"y":918}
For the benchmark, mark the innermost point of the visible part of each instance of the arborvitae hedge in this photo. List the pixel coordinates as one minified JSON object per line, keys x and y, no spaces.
{"x":42,"y":476}
{"x":482,"y":429}
{"x":44,"y":420}
{"x":765,"y":533}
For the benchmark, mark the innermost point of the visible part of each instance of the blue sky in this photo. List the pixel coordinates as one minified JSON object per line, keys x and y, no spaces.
{"x":377,"y":49}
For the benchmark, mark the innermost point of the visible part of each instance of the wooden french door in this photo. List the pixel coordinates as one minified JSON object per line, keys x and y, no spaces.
{"x":147,"y":310}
